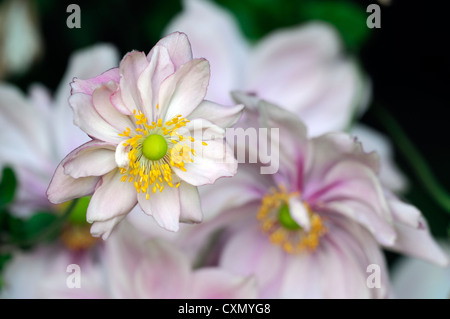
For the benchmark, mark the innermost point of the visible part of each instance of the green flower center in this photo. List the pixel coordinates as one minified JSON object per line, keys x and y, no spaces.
{"x":154,"y":147}
{"x":286,"y":220}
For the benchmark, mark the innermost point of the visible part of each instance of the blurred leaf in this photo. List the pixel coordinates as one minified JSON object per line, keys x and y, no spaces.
{"x":40,"y":226}
{"x":8,"y":186}
{"x":349,"y":19}
{"x":78,"y":214}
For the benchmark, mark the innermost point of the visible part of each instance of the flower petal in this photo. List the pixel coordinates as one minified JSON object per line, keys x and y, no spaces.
{"x":102,"y":104}
{"x":64,"y":187}
{"x":104,"y":229}
{"x":413,"y":235}
{"x":163,"y":206}
{"x":111,"y":198}
{"x":87,"y":118}
{"x":184,"y":90}
{"x":178,"y":47}
{"x":223,"y":116}
{"x":159,"y":68}
{"x":191,"y":210}
{"x":95,"y":160}
{"x":299,"y":213}
{"x":215,"y":283}
{"x":212,"y":162}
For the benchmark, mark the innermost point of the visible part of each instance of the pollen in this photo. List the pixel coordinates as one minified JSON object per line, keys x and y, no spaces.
{"x":155,"y":149}
{"x":282,"y":230}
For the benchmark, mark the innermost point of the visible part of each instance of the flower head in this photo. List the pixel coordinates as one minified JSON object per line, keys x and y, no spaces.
{"x":154,"y":138}
{"x":313,"y":228}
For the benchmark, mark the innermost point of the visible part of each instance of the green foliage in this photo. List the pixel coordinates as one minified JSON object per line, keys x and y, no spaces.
{"x":8,"y":186}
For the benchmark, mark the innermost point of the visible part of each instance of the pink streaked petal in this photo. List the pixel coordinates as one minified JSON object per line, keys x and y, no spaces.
{"x":382,"y":230}
{"x":88,"y":86}
{"x":184,"y":90}
{"x":96,"y":160}
{"x":102,"y":104}
{"x":223,"y":116}
{"x":178,"y":47}
{"x":131,"y":67}
{"x":163,"y":206}
{"x":191,"y":210}
{"x":212,"y":162}
{"x":215,"y":283}
{"x":111,"y":198}
{"x":159,"y":68}
{"x":87,"y":118}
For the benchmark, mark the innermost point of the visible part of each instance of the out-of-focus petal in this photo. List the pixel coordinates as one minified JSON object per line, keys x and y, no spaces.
{"x":226,"y":49}
{"x":215,"y":283}
{"x":223,"y":116}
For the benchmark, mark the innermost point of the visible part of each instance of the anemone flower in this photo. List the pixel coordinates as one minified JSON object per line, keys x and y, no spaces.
{"x":316,"y":228}
{"x":142,"y":118}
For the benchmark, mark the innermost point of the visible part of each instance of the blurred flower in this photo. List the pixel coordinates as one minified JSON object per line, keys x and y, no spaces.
{"x":125,"y":266}
{"x":302,"y":68}
{"x":312,"y":229}
{"x":142,"y":117}
{"x":417,"y":279}
{"x":38,"y":131}
{"x":20,"y":39}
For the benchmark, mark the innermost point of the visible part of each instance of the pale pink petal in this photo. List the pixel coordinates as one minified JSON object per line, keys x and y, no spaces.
{"x":215,"y":283}
{"x":163,"y":206}
{"x":413,"y":235}
{"x":102,"y":104}
{"x":191,"y":210}
{"x":184,"y":90}
{"x":163,"y":274}
{"x":111,"y":198}
{"x":89,"y":85}
{"x":390,"y":175}
{"x":249,"y":252}
{"x":128,"y":98}
{"x":85,"y":72}
{"x":95,"y":160}
{"x":63,"y":187}
{"x":212,"y":162}
{"x":223,"y":116}
{"x":248,"y":185}
{"x":225,"y":46}
{"x":300,"y":278}
{"x":159,"y":68}
{"x":178,"y":47}
{"x":329,"y":149}
{"x":87,"y":118}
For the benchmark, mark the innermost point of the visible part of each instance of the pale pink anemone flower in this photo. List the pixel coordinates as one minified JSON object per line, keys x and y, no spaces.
{"x":125,"y":266}
{"x":142,"y":118}
{"x":37,"y":130}
{"x":316,"y":227}
{"x":302,"y":68}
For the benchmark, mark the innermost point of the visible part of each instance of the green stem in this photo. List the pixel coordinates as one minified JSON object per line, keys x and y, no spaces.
{"x":414,"y":158}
